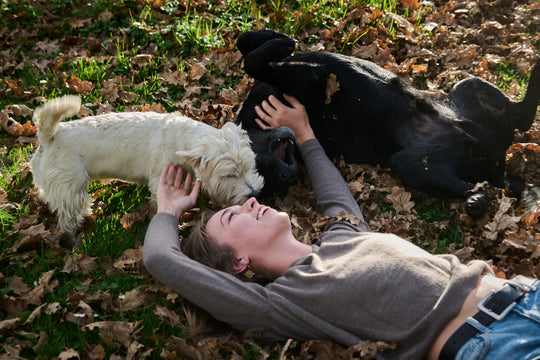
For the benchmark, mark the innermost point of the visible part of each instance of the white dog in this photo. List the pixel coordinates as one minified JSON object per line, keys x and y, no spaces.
{"x":134,"y":146}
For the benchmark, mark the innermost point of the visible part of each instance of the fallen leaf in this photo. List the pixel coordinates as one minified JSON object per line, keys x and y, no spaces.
{"x":332,"y":86}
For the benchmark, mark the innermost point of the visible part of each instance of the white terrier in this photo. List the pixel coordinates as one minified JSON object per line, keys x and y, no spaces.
{"x":134,"y":146}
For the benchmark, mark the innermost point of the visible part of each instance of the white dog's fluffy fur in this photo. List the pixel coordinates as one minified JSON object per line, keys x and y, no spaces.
{"x":134,"y":146}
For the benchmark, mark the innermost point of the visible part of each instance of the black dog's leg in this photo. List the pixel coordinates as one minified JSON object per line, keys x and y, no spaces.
{"x":263,"y":54}
{"x":289,"y":76}
{"x":431,"y":169}
{"x":477,"y":203}
{"x":531,"y":199}
{"x":484,"y":103}
{"x":251,"y":40}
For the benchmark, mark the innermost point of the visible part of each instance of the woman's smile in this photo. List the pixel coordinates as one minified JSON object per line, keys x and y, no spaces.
{"x":263,"y":210}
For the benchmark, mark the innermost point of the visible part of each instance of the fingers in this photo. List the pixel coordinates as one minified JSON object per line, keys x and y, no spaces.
{"x":163,"y":177}
{"x":167,"y":175}
{"x":275,"y":102}
{"x":170,"y":175}
{"x":292,"y":100}
{"x":195,"y":190}
{"x":262,"y":114}
{"x":173,"y":178}
{"x":178,"y":178}
{"x":187,"y":182}
{"x":263,"y":125}
{"x":271,"y":105}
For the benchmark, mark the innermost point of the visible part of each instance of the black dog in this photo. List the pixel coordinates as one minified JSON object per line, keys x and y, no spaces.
{"x":369,"y":115}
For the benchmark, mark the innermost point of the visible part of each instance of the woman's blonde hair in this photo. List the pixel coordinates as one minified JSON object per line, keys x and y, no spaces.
{"x":200,"y":247}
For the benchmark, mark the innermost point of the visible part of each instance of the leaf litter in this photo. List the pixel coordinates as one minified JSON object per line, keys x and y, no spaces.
{"x":432,"y":44}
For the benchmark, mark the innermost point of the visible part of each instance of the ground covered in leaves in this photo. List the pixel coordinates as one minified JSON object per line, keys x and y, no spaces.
{"x":98,"y":302}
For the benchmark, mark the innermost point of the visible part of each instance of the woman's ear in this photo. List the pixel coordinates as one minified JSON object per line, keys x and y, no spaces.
{"x":240,"y":264}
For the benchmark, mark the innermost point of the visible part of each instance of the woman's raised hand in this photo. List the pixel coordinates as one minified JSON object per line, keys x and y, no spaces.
{"x":176,"y":195}
{"x":277,"y":114}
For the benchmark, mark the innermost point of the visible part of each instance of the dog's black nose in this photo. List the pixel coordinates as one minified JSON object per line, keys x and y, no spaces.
{"x":286,"y":176}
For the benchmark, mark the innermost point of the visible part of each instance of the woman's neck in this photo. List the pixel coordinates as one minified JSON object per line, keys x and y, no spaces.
{"x":279,"y":258}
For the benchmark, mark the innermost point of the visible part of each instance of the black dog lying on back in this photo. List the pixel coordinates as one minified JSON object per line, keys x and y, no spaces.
{"x":369,"y":115}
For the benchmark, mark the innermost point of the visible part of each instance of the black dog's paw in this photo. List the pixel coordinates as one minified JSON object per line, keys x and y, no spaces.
{"x":477,"y":204}
{"x":249,"y":41}
{"x":531,"y":199}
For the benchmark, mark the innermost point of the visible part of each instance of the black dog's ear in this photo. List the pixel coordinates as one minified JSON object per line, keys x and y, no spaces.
{"x":251,"y":40}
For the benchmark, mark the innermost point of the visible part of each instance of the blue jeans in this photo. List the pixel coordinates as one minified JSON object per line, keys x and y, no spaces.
{"x":517,"y":336}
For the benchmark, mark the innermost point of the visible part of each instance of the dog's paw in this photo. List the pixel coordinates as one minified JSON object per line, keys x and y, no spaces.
{"x":477,"y":204}
{"x":251,"y":40}
{"x":531,"y":199}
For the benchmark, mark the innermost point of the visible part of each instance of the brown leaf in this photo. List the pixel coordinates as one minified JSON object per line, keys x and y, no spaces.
{"x":102,"y":298}
{"x":229,"y":96}
{"x":155,"y":107}
{"x":69,"y":354}
{"x":3,"y":197}
{"x":168,"y":315}
{"x":80,"y":86}
{"x":138,"y":215}
{"x":94,"y":352}
{"x":17,"y":285}
{"x":401,"y":200}
{"x":14,"y":128}
{"x":132,"y":299}
{"x":176,"y":78}
{"x":44,"y":287}
{"x":332,"y":86}
{"x":80,"y":262}
{"x":178,"y":348}
{"x":129,"y":260}
{"x":35,"y":313}
{"x":19,"y":110}
{"x":197,"y":71}
{"x":113,"y":332}
{"x":9,"y":324}
{"x":501,"y":221}
{"x":369,"y":349}
{"x":227,"y":60}
{"x":83,"y":316}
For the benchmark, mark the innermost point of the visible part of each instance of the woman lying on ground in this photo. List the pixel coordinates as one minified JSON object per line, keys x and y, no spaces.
{"x":350,"y":285}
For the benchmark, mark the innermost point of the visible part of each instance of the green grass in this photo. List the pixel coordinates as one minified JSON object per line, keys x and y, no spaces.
{"x":509,"y":75}
{"x":12,"y":177}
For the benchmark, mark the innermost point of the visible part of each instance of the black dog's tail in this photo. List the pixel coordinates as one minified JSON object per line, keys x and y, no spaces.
{"x":523,"y":112}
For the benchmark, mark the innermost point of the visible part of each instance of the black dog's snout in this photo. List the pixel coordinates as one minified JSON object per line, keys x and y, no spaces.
{"x":287,"y":176}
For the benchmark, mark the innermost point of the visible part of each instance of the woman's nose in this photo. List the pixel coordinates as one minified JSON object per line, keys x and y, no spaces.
{"x":249,"y":204}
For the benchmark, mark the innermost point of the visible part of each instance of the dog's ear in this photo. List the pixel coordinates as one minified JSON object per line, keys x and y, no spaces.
{"x":192,"y":158}
{"x":234,"y":130}
{"x":232,"y":126}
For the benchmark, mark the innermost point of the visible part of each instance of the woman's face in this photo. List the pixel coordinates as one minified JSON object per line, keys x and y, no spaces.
{"x":247,"y":228}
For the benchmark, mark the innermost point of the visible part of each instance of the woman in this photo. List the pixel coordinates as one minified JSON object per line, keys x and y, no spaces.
{"x":349,"y":285}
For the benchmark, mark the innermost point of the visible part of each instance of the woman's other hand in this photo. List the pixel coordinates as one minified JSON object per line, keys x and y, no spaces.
{"x":175,"y":196}
{"x":277,"y":114}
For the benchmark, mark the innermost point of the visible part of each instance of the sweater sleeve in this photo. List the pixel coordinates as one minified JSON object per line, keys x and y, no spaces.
{"x":246,"y":305}
{"x":331,"y":191}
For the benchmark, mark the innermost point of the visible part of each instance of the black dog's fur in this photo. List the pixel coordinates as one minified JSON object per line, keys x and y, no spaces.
{"x":441,"y":147}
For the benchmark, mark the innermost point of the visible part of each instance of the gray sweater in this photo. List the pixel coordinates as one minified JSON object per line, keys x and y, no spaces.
{"x":356,"y":285}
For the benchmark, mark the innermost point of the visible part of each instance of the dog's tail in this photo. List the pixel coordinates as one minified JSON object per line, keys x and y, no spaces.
{"x":51,"y":113}
{"x":524,"y":112}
